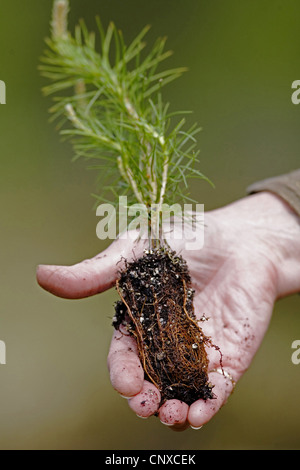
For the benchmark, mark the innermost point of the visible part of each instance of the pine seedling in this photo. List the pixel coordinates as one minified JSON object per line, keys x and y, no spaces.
{"x":110,"y":104}
{"x":108,"y":101}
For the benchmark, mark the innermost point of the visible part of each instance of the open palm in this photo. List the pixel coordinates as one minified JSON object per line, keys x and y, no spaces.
{"x":237,"y":276}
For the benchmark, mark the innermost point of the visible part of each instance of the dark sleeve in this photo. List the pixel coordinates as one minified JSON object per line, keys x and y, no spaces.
{"x":286,"y":186}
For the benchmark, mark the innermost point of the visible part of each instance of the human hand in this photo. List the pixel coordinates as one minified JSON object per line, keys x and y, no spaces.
{"x":250,"y":258}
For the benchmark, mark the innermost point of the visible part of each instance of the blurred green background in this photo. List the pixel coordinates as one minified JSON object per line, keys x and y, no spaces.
{"x":54,"y":390}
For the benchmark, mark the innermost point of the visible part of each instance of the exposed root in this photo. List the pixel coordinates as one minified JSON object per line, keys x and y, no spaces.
{"x":156,"y":306}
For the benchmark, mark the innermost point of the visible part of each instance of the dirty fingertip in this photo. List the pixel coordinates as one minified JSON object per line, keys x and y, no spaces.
{"x":173,"y":412}
{"x":127,"y":377}
{"x":145,"y":403}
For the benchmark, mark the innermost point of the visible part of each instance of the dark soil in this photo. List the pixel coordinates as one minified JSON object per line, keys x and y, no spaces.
{"x":156,"y":307}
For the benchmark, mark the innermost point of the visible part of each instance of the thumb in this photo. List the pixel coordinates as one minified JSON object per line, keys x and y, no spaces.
{"x":91,"y":276}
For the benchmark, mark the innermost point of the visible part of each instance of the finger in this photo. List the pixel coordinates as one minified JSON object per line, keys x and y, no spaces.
{"x":201,"y":411}
{"x":90,"y":276}
{"x":174,"y":413}
{"x":126,"y":372}
{"x":146,"y":403}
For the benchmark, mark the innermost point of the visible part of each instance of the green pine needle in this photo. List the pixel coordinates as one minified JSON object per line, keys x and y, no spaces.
{"x":109,"y":103}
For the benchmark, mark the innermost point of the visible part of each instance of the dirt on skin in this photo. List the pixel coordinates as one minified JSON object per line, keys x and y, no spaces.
{"x":156,"y":307}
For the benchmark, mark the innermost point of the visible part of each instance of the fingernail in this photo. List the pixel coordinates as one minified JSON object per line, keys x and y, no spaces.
{"x":166,"y":424}
{"x":142,"y":417}
{"x":126,"y":398}
{"x":196,"y":428}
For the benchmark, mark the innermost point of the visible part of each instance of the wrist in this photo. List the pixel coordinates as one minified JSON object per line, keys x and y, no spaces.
{"x":281,"y":238}
{"x":265,"y":231}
